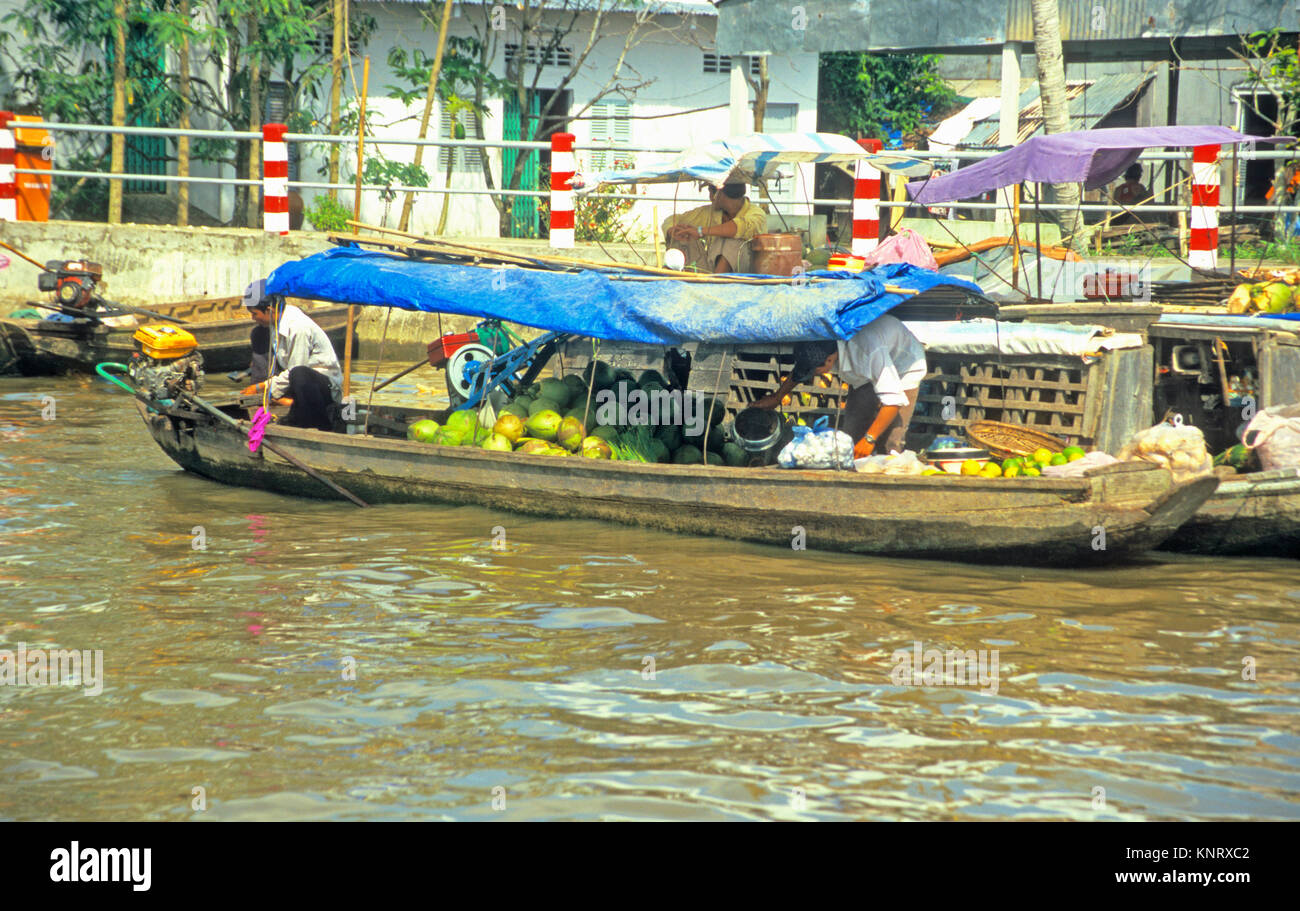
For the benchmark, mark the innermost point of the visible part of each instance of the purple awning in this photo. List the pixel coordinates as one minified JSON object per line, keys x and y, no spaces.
{"x":1091,"y":157}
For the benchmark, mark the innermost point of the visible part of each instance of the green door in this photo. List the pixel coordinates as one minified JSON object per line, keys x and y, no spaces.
{"x":146,"y":75}
{"x":524,"y":221}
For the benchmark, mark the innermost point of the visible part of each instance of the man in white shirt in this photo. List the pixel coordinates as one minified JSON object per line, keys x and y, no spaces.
{"x":883,"y":364}
{"x":305,"y":374}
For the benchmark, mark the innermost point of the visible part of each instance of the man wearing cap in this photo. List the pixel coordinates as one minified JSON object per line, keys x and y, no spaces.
{"x":305,"y":372}
{"x":715,"y":238}
{"x":883,"y":364}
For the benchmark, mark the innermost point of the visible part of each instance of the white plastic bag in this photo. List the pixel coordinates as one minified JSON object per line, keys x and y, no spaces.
{"x":1180,"y":448}
{"x":817,"y":447}
{"x":1275,"y":434}
{"x":895,"y":463}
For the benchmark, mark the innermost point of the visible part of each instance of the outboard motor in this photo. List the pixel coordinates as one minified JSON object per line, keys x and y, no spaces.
{"x":168,"y":363}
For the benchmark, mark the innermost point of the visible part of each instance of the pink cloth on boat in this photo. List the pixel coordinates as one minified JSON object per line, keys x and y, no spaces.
{"x":906,"y":246}
{"x":258,"y":429}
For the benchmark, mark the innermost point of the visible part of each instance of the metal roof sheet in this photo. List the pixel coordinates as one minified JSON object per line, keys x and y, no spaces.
{"x":1089,"y":102}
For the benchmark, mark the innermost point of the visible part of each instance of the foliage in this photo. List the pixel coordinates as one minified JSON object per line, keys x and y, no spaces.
{"x":328,"y":214}
{"x":1273,"y":63}
{"x":870,"y":94}
{"x":596,"y":220}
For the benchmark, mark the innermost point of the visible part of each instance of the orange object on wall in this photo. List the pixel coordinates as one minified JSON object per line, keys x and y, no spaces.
{"x":35,"y":149}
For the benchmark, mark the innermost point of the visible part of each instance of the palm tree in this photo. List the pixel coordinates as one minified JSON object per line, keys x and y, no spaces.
{"x":1056,"y":118}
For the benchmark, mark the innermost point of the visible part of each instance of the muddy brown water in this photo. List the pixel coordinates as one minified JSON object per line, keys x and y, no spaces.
{"x":315,"y":661}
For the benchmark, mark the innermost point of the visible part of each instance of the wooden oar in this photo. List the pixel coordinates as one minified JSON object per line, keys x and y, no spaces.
{"x":40,"y":266}
{"x":296,"y":463}
{"x":397,"y":376}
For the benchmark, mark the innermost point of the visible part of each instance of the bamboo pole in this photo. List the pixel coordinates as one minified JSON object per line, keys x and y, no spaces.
{"x":338,"y":18}
{"x":647,"y":273}
{"x":183,"y":142}
{"x":659,"y":253}
{"x":356,"y":214}
{"x":117,"y":145}
{"x":1015,"y":237}
{"x":429,"y":96}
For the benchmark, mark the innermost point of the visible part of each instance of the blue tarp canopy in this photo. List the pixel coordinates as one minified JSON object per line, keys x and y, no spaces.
{"x":607,"y":305}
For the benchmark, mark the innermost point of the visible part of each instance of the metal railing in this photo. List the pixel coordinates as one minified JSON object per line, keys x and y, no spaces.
{"x":1244,"y":155}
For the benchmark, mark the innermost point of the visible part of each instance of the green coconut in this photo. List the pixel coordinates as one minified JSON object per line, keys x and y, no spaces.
{"x":557,"y":391}
{"x":593,"y":447}
{"x":423,"y":431}
{"x":532,"y":446}
{"x":652,"y":377}
{"x":463,"y":423}
{"x":715,"y":459}
{"x":543,"y":405}
{"x":518,"y":410}
{"x":576,"y":385}
{"x":448,"y":437}
{"x":671,"y":435}
{"x":661,"y":452}
{"x":606,"y":432}
{"x":544,"y":425}
{"x":734,"y":455}
{"x":598,"y":375}
{"x":497,"y":443}
{"x":688,"y":455}
{"x":510,"y":426}
{"x":570,"y":434}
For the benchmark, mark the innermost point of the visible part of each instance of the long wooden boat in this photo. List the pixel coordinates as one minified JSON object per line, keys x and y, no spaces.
{"x":1040,"y":520}
{"x":1249,"y":515}
{"x":33,"y":347}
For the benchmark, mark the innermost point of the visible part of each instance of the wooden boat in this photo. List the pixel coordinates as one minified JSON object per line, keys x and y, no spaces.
{"x":221,"y":326}
{"x":1050,"y":521}
{"x":1249,"y":515}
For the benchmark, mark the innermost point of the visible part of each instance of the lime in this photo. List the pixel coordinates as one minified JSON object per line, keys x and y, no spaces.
{"x":1073,"y":453}
{"x":1032,"y":473}
{"x":1058,"y":459}
{"x":931,"y":471}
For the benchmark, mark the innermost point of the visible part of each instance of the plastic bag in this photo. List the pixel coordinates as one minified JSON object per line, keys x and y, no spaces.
{"x":1274,"y":433}
{"x":895,"y":463}
{"x":1180,"y":448}
{"x":1075,"y":469}
{"x":817,"y":447}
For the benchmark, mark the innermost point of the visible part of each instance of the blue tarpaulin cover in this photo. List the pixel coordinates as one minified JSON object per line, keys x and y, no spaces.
{"x":601,"y":305}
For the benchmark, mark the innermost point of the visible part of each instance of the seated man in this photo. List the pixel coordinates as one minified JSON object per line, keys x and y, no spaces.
{"x":305,"y":374}
{"x":883,"y":364}
{"x":715,"y":238}
{"x":1130,"y":193}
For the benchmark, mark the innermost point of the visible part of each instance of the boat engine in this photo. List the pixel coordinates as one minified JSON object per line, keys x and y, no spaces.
{"x":72,"y":281}
{"x":168,"y":363}
{"x":462,"y":355}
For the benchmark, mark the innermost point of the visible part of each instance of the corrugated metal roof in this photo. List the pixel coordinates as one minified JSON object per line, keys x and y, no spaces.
{"x":1089,"y":102}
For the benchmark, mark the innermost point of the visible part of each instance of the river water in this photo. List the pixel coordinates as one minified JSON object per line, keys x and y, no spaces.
{"x":315,"y":661}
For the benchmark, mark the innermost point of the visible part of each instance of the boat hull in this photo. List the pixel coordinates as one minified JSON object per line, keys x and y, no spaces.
{"x":32,"y":347}
{"x":1249,"y":515}
{"x":1056,"y":521}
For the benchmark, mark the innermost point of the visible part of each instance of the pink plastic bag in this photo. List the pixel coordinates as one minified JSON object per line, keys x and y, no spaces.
{"x":1274,"y":433}
{"x":906,"y":246}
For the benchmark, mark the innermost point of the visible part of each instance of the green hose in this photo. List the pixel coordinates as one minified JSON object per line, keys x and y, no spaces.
{"x":122,"y":368}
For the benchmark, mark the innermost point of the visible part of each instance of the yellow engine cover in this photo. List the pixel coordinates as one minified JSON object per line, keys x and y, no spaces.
{"x":165,"y":342}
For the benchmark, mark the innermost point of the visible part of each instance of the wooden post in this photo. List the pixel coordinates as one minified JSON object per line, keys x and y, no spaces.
{"x":117,"y":144}
{"x":432,"y":93}
{"x":356,"y":216}
{"x":1015,"y":237}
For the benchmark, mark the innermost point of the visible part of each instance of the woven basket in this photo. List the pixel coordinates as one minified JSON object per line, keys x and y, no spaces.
{"x":1007,"y":440}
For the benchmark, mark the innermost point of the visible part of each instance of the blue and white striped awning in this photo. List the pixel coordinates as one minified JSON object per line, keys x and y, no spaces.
{"x":757,"y":156}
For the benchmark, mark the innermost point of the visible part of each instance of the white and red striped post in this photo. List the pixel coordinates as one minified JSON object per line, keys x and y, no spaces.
{"x":563,"y":167}
{"x":866,"y":202}
{"x":275,"y":178}
{"x":8,"y":178}
{"x":1203,"y":242}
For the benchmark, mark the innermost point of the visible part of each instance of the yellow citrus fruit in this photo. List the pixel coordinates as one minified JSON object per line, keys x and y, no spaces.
{"x":1011,"y":471}
{"x":970,"y":466}
{"x":991,"y":470}
{"x":1073,"y":453}
{"x":1032,"y":473}
{"x":931,"y":471}
{"x":1042,"y":456}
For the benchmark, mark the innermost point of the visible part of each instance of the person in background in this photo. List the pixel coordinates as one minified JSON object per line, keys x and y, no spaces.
{"x":305,"y":373}
{"x":1131,"y":192}
{"x":715,"y":238}
{"x":883,"y":364}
